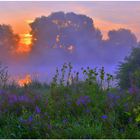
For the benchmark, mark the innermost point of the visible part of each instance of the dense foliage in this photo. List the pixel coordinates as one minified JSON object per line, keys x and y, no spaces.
{"x":129,"y":71}
{"x":70,"y":108}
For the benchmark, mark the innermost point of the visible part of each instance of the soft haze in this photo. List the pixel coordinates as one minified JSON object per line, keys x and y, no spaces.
{"x":85,"y":33}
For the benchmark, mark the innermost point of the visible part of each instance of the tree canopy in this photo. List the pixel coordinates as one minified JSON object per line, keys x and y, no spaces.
{"x":8,"y":40}
{"x":129,"y":71}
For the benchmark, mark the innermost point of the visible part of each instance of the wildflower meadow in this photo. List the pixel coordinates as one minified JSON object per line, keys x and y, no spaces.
{"x":70,"y":107}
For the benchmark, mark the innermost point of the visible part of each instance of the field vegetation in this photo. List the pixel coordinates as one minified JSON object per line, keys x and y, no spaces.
{"x":71,"y":107}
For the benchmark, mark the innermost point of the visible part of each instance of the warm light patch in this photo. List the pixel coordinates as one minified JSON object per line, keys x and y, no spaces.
{"x":29,"y":21}
{"x":25,"y":43}
{"x":26,"y":39}
{"x":106,"y":26}
{"x":25,"y":81}
{"x":58,"y":38}
{"x":71,"y":48}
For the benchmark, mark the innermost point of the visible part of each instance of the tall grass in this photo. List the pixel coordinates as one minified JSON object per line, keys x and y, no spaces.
{"x":70,"y":107}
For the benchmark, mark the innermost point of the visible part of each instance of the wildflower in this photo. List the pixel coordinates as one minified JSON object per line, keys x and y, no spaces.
{"x":1,"y":92}
{"x":113,"y":96}
{"x":66,"y":96}
{"x":104,"y":117}
{"x":69,"y":103}
{"x":113,"y":99}
{"x":37,"y":97}
{"x":65,"y":121}
{"x":21,"y":120}
{"x":30,"y":119}
{"x":49,"y":126}
{"x":87,"y":110}
{"x":12,"y":98}
{"x":23,"y":98}
{"x":26,"y":121}
{"x":37,"y":110}
{"x":130,"y":120}
{"x":83,"y":100}
{"x":126,"y":106}
{"x":133,"y":90}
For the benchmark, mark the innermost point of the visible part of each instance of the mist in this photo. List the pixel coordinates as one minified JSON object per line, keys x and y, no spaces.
{"x":64,"y":37}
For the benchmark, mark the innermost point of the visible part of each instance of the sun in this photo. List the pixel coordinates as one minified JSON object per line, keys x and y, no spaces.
{"x":26,"y":39}
{"x":25,"y":43}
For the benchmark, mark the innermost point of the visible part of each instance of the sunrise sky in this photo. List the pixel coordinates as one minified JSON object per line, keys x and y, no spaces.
{"x":91,"y":48}
{"x":106,"y":15}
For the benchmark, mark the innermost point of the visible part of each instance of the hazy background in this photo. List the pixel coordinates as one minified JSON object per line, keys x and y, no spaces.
{"x":44,"y":35}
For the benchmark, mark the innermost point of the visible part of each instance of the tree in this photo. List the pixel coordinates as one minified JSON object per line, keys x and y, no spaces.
{"x":8,"y":40}
{"x":64,"y":30}
{"x":128,"y":72}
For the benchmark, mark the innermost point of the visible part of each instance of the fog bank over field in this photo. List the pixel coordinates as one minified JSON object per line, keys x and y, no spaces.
{"x":65,"y":37}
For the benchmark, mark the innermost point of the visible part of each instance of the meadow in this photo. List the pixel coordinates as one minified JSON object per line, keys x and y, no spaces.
{"x":69,"y":107}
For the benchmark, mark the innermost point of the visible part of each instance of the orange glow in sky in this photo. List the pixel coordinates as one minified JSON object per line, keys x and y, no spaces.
{"x":106,"y":16}
{"x":26,"y":39}
{"x":106,"y":26}
{"x":25,"y":43}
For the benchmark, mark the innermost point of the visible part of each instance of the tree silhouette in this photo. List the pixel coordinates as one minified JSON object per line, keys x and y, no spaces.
{"x":8,"y":40}
{"x":60,"y":30}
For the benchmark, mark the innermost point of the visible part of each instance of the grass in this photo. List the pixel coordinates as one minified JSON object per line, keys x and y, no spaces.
{"x":70,"y":108}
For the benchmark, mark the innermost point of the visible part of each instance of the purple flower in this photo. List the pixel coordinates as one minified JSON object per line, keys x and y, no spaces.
{"x":49,"y":126}
{"x":26,"y":121}
{"x":133,"y":90}
{"x":23,"y":98}
{"x":21,"y":120}
{"x":37,"y":97}
{"x":12,"y":98}
{"x":113,"y":96}
{"x":67,"y":96}
{"x":113,"y":99}
{"x":104,"y":117}
{"x":30,"y":119}
{"x":37,"y":110}
{"x":65,"y":121}
{"x":83,"y":100}
{"x":69,"y":103}
{"x":130,"y":120}
{"x":1,"y":92}
{"x":87,"y":110}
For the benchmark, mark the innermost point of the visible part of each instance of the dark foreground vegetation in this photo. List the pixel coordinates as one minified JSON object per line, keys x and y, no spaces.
{"x":74,"y":108}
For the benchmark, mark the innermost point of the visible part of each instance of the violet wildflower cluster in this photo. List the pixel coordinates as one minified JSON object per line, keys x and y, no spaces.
{"x":83,"y":100}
